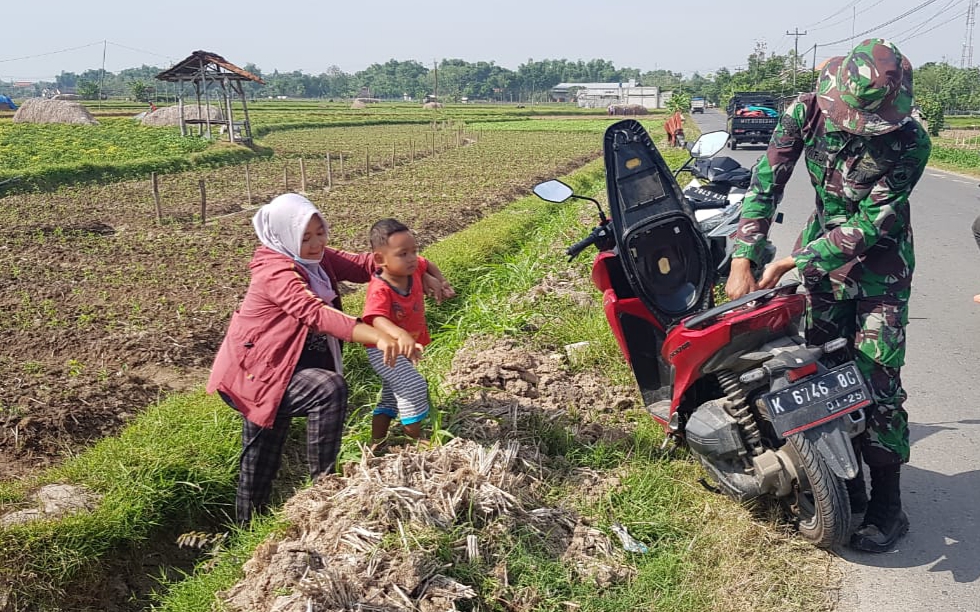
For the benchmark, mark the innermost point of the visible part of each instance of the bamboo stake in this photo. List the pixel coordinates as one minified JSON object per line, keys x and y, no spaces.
{"x":411,"y":147}
{"x":248,"y":185}
{"x":204,"y":201}
{"x":392,"y":156}
{"x":367,"y":163}
{"x":302,"y":175}
{"x":156,"y":197}
{"x":285,"y":176}
{"x":343,"y":176}
{"x":329,"y":172}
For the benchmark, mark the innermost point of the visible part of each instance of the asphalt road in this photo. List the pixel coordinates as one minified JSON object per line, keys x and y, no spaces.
{"x":937,"y":565}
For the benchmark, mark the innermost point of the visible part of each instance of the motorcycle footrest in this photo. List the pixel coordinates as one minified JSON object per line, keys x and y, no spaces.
{"x":660,"y":411}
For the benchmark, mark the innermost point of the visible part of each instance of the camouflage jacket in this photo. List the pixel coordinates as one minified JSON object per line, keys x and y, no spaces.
{"x":858,"y":241}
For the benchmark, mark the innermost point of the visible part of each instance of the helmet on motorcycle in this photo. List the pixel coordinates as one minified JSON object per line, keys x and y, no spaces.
{"x":868,"y":91}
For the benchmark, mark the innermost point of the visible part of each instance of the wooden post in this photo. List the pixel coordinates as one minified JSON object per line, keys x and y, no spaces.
{"x":248,"y":185}
{"x":302,"y":175}
{"x":342,"y":175}
{"x":156,"y":197}
{"x":285,"y":176}
{"x":392,"y":156}
{"x":411,"y":149}
{"x":329,"y":172}
{"x":433,"y":143}
{"x":204,"y":201}
{"x":367,"y":163}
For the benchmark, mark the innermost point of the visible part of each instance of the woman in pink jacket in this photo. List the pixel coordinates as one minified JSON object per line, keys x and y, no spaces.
{"x":281,"y":356}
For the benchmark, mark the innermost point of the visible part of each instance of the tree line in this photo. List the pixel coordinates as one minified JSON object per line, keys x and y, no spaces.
{"x":937,"y":85}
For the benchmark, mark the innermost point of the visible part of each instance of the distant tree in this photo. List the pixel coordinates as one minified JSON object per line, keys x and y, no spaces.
{"x":139,"y":91}
{"x":88,"y":90}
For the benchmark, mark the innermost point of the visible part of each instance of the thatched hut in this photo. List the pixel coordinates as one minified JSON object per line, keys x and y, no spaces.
{"x":207,"y":71}
{"x":170,"y":115}
{"x":39,"y":110}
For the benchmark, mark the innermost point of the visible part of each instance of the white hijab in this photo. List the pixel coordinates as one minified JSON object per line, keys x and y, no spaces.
{"x":280,"y":225}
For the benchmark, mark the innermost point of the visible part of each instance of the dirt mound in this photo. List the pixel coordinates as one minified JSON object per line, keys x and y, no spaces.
{"x":39,"y":110}
{"x":354,"y":543}
{"x":170,"y":115}
{"x":509,"y":382}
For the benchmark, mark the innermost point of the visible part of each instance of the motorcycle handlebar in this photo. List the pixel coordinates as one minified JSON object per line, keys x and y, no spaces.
{"x":574,"y":250}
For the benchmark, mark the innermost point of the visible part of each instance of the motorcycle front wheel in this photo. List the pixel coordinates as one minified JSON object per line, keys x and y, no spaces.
{"x":820,"y":505}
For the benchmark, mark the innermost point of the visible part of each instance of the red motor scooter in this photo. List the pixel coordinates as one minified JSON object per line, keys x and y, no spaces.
{"x":735,"y":383}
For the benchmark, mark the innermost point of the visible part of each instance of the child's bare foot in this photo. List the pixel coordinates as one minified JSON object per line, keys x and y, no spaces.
{"x":976,"y":299}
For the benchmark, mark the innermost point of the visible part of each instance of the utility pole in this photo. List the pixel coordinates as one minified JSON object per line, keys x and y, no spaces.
{"x":796,"y":52}
{"x":966,"y":59}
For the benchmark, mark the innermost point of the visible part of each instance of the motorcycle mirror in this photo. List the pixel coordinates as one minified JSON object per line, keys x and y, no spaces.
{"x":553,"y":191}
{"x":709,"y":143}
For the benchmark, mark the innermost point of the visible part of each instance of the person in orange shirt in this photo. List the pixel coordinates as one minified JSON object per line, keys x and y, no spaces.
{"x":395,"y":306}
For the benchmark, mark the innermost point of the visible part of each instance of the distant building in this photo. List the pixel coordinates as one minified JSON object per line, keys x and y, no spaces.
{"x":601,"y":95}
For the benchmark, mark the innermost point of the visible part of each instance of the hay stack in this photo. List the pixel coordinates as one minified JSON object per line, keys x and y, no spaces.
{"x":66,"y":97}
{"x":170,"y":115}
{"x":358,"y":104}
{"x":628,"y":109}
{"x":432,"y":105}
{"x":39,"y":110}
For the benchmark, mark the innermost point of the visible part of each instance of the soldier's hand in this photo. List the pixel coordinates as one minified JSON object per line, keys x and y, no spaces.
{"x":740,"y":280}
{"x":775,"y":271}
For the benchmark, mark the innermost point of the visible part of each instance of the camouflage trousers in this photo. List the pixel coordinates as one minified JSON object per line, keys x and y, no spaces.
{"x":876,"y":326}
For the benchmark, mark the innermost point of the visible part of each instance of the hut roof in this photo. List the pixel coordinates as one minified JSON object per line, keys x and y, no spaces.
{"x":214,"y":67}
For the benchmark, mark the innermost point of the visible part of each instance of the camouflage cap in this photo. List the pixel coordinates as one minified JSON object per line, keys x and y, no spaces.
{"x":868,"y":91}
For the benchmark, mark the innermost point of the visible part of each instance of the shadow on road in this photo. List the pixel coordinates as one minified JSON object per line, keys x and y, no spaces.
{"x":942,"y":511}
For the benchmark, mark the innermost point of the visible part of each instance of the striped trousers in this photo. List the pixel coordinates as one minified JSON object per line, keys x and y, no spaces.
{"x":404,"y":392}
{"x":320,"y":396}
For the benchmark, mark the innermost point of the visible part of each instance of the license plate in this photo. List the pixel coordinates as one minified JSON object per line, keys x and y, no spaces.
{"x":816,"y":400}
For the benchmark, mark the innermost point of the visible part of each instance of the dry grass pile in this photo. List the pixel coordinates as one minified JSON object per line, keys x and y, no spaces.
{"x":170,"y":115}
{"x":358,"y":104}
{"x":432,"y":105}
{"x":66,"y":97}
{"x":39,"y":110}
{"x":628,"y":109}
{"x":367,"y":540}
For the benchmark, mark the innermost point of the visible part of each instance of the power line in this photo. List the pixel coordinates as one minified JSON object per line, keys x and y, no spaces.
{"x":914,"y":29}
{"x":938,"y":25}
{"x":834,"y":14}
{"x":881,"y":25}
{"x":26,"y":57}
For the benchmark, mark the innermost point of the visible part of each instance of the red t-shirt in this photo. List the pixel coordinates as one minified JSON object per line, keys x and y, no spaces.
{"x":405,"y":311}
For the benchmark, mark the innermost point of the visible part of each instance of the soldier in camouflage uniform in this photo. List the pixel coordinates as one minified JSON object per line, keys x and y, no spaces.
{"x":864,"y":154}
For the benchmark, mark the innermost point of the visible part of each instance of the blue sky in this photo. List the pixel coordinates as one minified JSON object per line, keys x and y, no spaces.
{"x":680,"y":36}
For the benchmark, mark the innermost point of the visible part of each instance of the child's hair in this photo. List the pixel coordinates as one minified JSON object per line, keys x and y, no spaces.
{"x":384,"y":228}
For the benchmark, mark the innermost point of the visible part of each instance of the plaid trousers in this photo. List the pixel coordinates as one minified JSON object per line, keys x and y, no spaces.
{"x":320,"y":396}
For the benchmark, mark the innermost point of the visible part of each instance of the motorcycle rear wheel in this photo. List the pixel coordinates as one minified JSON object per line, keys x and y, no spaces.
{"x":821,"y":508}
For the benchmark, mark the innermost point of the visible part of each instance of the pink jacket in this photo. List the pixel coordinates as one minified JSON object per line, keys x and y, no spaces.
{"x":267,"y":333}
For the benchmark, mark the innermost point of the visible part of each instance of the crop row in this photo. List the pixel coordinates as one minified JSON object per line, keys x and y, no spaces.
{"x":98,"y":296}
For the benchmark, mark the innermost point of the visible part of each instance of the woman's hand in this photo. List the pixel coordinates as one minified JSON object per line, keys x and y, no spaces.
{"x":446,"y":291}
{"x":775,"y":271}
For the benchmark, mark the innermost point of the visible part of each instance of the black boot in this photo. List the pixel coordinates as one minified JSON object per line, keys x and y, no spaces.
{"x":884,"y":522}
{"x":857,"y":492}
